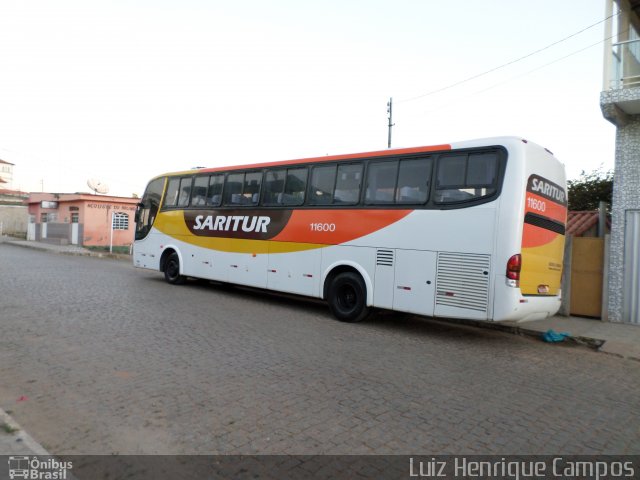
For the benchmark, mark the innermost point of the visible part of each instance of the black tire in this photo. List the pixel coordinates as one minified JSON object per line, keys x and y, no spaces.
{"x":172,"y":270}
{"x":347,"y":297}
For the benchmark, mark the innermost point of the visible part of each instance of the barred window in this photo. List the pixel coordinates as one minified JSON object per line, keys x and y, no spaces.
{"x":120,"y":221}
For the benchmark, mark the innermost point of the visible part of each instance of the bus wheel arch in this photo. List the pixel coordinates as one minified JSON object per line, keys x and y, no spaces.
{"x":347,"y":293}
{"x":170,"y":264}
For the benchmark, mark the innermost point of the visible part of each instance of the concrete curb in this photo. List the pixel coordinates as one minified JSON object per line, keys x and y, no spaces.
{"x":15,"y":441}
{"x":74,"y":251}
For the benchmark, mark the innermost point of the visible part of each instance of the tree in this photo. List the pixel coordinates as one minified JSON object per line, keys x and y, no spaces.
{"x":588,"y":190}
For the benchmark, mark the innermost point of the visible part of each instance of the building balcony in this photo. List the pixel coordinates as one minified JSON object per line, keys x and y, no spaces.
{"x":625,"y":65}
{"x":621,"y":97}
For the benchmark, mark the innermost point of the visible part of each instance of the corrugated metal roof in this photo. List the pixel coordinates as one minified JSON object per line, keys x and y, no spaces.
{"x":579,"y":222}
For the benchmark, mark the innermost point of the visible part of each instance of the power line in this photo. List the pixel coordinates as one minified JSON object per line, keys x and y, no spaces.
{"x":531,"y":71}
{"x":460,"y":82}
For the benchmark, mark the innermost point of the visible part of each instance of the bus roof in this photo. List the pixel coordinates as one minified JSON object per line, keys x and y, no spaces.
{"x":351,"y":156}
{"x":326,"y":158}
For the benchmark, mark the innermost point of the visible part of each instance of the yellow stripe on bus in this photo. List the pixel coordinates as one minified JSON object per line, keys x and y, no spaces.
{"x":171,"y":223}
{"x":542,"y":265}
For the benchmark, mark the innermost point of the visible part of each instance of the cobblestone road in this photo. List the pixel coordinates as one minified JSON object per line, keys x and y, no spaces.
{"x":110,"y":359}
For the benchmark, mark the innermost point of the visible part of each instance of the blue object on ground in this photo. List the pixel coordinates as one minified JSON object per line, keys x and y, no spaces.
{"x":551,"y":336}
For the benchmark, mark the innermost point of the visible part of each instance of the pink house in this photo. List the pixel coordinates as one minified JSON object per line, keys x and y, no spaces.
{"x":81,"y":219}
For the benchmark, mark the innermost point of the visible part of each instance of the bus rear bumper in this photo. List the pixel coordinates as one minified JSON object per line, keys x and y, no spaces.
{"x":520,"y":308}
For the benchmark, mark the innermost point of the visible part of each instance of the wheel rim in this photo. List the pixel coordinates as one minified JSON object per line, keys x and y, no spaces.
{"x":172,"y":269}
{"x":347,"y":297}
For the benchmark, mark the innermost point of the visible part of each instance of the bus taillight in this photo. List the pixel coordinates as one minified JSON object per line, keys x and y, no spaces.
{"x":514,"y":265}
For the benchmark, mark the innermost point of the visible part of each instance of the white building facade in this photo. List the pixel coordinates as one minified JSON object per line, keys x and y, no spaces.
{"x":620,"y":104}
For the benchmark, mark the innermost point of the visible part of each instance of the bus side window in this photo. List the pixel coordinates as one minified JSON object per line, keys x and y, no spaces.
{"x":295,"y":186}
{"x":482,"y":173}
{"x":348,"y":184}
{"x":461,"y":178}
{"x":171,"y":197}
{"x":285,"y":186}
{"x":199,"y":193}
{"x":381,"y":182}
{"x":242,"y":188}
{"x":273,"y":186}
{"x":233,"y":189}
{"x":323,"y":179}
{"x":251,"y":190}
{"x":414,"y":178}
{"x":214,"y":193}
{"x":185,"y":192}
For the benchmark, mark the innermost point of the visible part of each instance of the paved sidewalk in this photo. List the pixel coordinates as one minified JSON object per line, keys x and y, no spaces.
{"x":618,"y":339}
{"x":63,"y":249}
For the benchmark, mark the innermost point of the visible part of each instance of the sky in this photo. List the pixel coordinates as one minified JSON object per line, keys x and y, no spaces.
{"x":123,"y":90}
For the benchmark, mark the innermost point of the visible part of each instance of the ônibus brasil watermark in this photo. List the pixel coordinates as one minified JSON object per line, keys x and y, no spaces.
{"x":33,"y":468}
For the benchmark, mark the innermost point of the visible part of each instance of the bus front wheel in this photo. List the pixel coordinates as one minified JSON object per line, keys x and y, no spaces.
{"x":347,"y":297}
{"x":172,"y":270}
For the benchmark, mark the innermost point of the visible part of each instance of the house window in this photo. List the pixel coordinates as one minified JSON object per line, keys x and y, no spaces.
{"x":75,"y":217}
{"x":120,"y":221}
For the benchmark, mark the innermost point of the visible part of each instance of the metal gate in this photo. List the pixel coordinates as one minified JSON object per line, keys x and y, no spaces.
{"x":587,"y":268}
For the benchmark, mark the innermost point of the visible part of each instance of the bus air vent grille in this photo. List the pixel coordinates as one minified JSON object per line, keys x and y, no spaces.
{"x":384,"y":257}
{"x":463,"y":280}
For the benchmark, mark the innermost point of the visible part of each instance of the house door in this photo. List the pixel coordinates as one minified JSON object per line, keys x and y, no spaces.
{"x":74,"y":228}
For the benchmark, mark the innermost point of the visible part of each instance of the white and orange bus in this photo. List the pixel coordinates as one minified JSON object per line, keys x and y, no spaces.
{"x":472,"y":230}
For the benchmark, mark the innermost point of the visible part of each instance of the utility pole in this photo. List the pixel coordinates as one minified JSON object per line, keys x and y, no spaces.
{"x":390,"y":112}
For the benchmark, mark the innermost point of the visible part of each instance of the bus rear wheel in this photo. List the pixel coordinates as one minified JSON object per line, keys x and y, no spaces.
{"x":172,"y":270}
{"x":347,"y":297}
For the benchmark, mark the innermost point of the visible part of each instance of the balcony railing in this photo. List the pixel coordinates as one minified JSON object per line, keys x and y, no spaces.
{"x":625,"y":64}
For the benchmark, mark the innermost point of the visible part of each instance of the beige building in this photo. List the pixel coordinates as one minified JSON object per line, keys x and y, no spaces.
{"x":82,"y":219}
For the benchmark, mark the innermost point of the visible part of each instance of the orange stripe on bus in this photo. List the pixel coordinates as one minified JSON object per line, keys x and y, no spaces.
{"x":533,"y":236}
{"x":545,"y":207}
{"x":333,"y":227}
